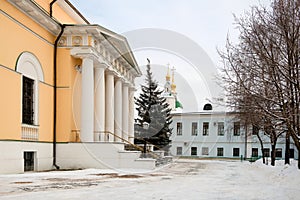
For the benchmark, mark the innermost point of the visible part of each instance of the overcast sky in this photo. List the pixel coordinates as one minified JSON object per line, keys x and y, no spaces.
{"x":202,"y":24}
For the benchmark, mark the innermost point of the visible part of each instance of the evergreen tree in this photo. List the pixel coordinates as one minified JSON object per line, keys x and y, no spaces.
{"x":154,"y":111}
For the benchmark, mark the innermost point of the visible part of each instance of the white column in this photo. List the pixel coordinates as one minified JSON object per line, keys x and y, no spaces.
{"x":131,"y":116}
{"x":87,"y":101}
{"x":118,"y":110}
{"x":109,"y":107}
{"x":99,"y":118}
{"x":125,"y":109}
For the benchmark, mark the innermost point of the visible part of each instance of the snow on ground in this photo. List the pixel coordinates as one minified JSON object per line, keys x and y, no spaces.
{"x":182,"y":179}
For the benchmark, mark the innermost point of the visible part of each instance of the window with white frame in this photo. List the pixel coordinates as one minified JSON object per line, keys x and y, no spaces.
{"x":179,"y":128}
{"x":179,"y":151}
{"x":205,"y":151}
{"x":205,"y":128}
{"x":220,"y":151}
{"x":220,"y":128}
{"x":32,"y":73}
{"x":266,"y":152}
{"x":236,"y":129}
{"x":278,"y":152}
{"x":193,"y":151}
{"x":254,"y":152}
{"x":236,"y":152}
{"x":194,"y":128}
{"x":255,"y":130}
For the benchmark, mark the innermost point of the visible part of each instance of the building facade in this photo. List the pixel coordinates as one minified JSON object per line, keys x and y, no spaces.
{"x":67,"y":90}
{"x":219,"y":134}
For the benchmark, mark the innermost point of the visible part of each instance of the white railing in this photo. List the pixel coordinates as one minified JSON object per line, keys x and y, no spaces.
{"x":30,"y":132}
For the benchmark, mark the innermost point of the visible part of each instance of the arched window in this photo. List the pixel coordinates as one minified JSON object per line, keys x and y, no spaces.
{"x":207,"y":106}
{"x":30,"y":68}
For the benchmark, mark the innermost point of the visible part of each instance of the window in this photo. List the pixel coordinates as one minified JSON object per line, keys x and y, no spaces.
{"x":220,"y":151}
{"x":207,"y":106}
{"x":254,"y":152}
{"x":194,"y":151}
{"x":236,"y":128}
{"x":266,"y":152}
{"x":292,"y":153}
{"x":28,"y":161}
{"x":27,"y":101}
{"x":278,"y":153}
{"x":194,"y":128}
{"x":236,"y":151}
{"x":29,"y":66}
{"x":179,"y":151}
{"x":255,"y":130}
{"x":179,"y":128}
{"x":205,"y":151}
{"x":220,"y":128}
{"x":205,"y":128}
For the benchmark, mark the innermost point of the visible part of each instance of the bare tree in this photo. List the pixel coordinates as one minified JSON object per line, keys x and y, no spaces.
{"x":262,"y":71}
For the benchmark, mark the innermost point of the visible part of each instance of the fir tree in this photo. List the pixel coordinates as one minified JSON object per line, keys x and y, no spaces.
{"x":155,"y":112}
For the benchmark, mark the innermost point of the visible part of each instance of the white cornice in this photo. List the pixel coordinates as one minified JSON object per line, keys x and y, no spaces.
{"x":114,"y":43}
{"x":36,"y":13}
{"x":70,"y":11}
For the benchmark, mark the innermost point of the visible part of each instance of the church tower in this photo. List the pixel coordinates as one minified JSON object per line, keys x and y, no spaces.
{"x":170,"y":91}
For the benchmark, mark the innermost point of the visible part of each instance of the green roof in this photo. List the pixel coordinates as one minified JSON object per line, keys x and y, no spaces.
{"x":178,"y":104}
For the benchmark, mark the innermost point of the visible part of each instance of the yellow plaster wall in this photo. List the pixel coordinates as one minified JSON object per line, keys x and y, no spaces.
{"x":64,"y":112}
{"x":25,"y":20}
{"x":45,"y":112}
{"x":58,"y":12}
{"x":64,"y":62}
{"x":45,"y":4}
{"x":14,"y":40}
{"x":62,"y":16}
{"x":66,"y":74}
{"x":10,"y":104}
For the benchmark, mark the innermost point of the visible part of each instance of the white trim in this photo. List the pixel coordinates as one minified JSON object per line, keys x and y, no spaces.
{"x":28,"y":65}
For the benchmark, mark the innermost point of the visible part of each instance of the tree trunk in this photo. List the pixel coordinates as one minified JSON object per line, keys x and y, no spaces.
{"x":273,"y":154}
{"x":261,"y":148}
{"x":287,"y":148}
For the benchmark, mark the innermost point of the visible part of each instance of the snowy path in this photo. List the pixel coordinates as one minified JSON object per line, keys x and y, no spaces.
{"x":183,"y":179}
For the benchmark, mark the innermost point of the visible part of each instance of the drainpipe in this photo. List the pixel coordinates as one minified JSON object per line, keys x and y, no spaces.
{"x":51,"y":7}
{"x":55,"y":86}
{"x":55,"y":93}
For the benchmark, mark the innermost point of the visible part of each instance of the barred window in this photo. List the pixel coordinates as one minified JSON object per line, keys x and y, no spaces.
{"x":27,"y":101}
{"x":220,"y":151}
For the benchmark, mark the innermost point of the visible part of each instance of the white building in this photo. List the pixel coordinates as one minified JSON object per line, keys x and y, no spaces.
{"x":213,"y":133}
{"x":218,"y":134}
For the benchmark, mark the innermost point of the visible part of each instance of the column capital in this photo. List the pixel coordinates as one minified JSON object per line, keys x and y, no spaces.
{"x":109,"y":72}
{"x":84,"y":52}
{"x":100,"y":65}
{"x":132,"y":88}
{"x":126,"y":83}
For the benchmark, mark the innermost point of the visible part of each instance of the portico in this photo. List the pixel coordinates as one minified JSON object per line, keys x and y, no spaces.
{"x":108,"y":71}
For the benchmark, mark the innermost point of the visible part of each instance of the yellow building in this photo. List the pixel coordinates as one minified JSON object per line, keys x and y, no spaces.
{"x":67,"y":90}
